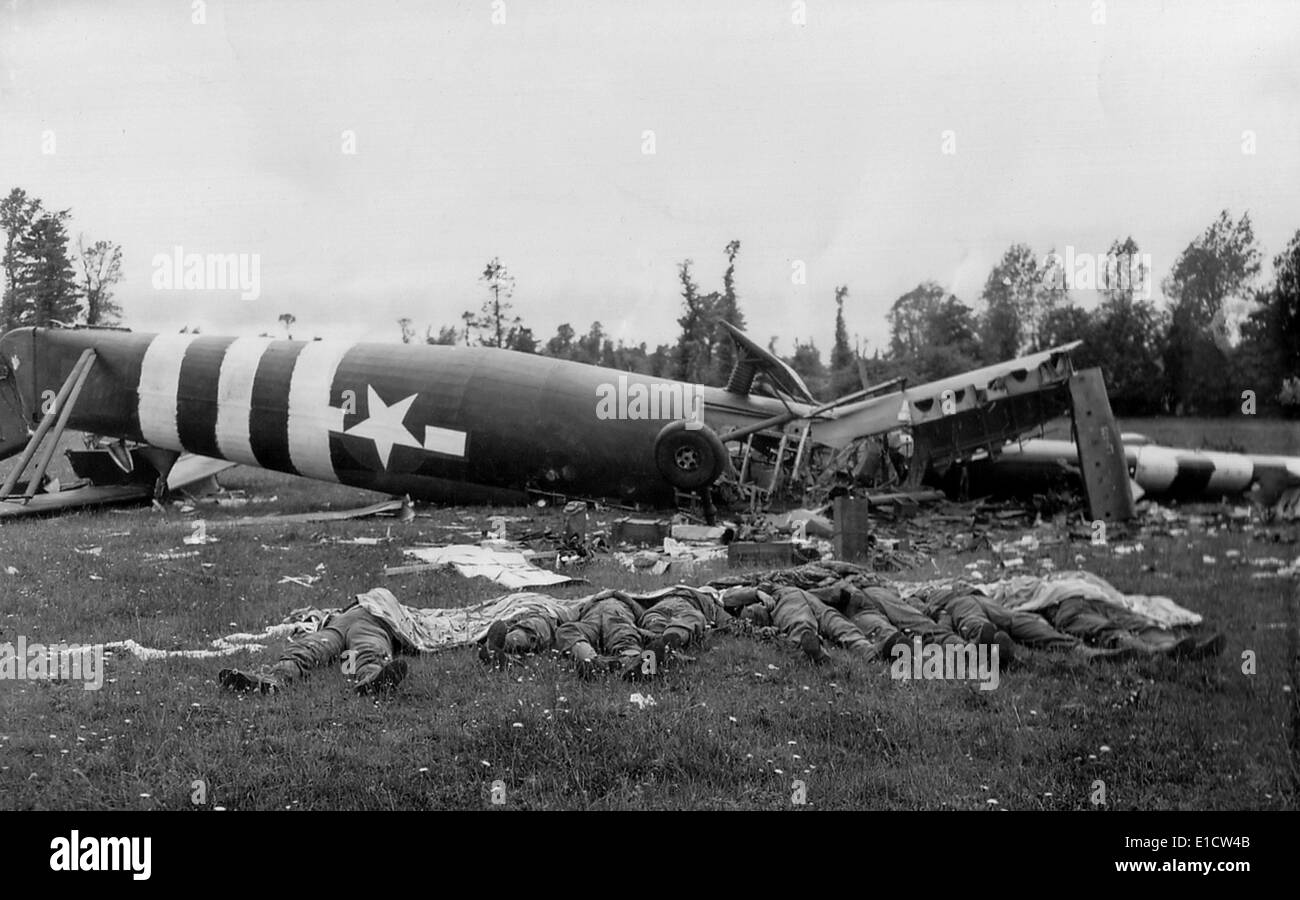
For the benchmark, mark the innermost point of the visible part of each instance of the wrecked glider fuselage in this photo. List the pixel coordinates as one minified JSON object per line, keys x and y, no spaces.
{"x":1159,"y":472}
{"x":461,"y":424}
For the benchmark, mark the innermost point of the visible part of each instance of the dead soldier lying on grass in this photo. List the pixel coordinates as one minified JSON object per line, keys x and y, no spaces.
{"x":811,"y":606}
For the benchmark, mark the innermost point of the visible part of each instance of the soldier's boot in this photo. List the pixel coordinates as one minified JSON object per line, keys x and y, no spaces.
{"x":1006,"y":649}
{"x":493,"y":651}
{"x":888,"y":644}
{"x":375,"y":679}
{"x":236,"y":680}
{"x":811,"y":645}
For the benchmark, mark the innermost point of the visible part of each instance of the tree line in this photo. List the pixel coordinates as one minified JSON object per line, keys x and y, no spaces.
{"x":1185,"y":356}
{"x":46,"y":282}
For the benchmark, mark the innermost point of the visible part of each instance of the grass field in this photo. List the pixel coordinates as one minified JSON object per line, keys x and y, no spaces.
{"x":732,"y":730}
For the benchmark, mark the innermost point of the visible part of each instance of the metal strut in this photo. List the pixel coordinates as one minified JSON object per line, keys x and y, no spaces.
{"x":52,"y":426}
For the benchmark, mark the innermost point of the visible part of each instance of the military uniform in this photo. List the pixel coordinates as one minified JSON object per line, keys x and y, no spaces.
{"x":971,"y":615}
{"x":606,"y":625}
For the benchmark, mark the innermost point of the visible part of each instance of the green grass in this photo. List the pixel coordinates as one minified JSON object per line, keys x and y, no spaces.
{"x":729,"y":731}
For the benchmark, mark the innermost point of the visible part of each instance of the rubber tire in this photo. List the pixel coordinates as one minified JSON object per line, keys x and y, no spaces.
{"x":675,"y":441}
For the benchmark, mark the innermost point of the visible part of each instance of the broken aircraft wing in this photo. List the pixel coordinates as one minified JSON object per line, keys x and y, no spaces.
{"x":962,"y":413}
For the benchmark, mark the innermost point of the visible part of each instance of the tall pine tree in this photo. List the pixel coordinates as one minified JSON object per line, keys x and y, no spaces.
{"x":844,"y":361}
{"x":728,"y":310}
{"x":17,"y":212}
{"x":47,"y":289}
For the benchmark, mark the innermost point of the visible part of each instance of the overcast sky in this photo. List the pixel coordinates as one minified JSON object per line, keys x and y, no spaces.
{"x":524,"y":139}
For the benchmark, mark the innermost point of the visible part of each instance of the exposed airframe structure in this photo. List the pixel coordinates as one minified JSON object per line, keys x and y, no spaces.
{"x":950,"y":420}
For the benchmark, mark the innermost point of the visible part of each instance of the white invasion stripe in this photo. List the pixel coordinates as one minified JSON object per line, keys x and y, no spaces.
{"x":1155,"y":468}
{"x":235,"y":398}
{"x":160,"y":376}
{"x":444,"y":440}
{"x":311,"y":418}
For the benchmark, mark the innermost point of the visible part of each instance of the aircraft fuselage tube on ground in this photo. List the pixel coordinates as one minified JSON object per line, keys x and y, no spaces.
{"x":459,"y":424}
{"x":472,"y":424}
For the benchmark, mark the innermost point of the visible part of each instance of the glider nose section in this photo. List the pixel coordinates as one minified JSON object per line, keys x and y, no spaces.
{"x":17,"y":389}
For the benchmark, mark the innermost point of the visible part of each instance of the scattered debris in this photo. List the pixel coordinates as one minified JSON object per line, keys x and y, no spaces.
{"x":506,"y":567}
{"x":397,"y":505}
{"x":172,"y":554}
{"x":73,"y":497}
{"x":196,"y":473}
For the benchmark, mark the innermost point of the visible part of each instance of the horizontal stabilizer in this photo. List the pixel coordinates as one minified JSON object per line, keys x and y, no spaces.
{"x":191,"y":468}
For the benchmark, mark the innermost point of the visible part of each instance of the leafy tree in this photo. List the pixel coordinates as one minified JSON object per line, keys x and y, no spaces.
{"x":1125,"y":337}
{"x":561,"y":346}
{"x":521,"y":339}
{"x":932,"y":335}
{"x":633,"y":359}
{"x":1011,"y":298}
{"x":1270,"y":345}
{"x":1067,"y":323}
{"x":447,"y":335}
{"x":590,"y":345}
{"x":287,"y":320}
{"x":1220,"y":264}
{"x":910,"y":318}
{"x":593,"y":348}
{"x":1050,"y":294}
{"x":593,"y":344}
{"x":807,"y":362}
{"x":408,"y":330}
{"x":1284,"y":307}
{"x":952,"y":324}
{"x":101,"y":268}
{"x":661,"y":361}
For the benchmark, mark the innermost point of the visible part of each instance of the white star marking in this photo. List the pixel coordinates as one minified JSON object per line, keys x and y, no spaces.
{"x":384,"y":426}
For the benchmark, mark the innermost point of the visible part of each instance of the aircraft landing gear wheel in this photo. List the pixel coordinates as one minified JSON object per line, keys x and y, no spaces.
{"x":689,"y":458}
